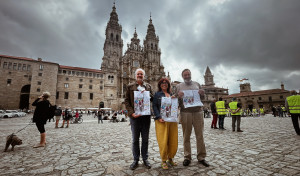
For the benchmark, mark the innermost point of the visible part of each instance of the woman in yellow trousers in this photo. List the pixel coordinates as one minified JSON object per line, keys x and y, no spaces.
{"x":166,"y":132}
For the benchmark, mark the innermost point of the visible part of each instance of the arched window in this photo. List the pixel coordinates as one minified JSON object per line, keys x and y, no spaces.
{"x":117,"y":37}
{"x":151,"y":45}
{"x":111,"y":36}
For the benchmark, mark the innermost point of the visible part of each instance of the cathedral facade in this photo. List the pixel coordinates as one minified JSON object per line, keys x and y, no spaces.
{"x":121,"y":67}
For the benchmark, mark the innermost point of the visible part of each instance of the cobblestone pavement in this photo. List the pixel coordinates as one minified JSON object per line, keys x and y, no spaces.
{"x":268,"y":146}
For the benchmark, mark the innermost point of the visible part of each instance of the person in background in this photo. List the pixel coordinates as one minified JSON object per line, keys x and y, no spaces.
{"x":40,"y":116}
{"x":68,"y":116}
{"x":236,"y":114}
{"x":292,"y":104}
{"x":76,"y":116}
{"x":214,"y":113}
{"x":221,"y":112}
{"x":100,"y":114}
{"x":58,"y":113}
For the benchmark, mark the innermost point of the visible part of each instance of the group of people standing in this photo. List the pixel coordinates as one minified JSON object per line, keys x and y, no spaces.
{"x":280,"y":111}
{"x":219,"y":112}
{"x":166,"y":132}
{"x":66,"y":114}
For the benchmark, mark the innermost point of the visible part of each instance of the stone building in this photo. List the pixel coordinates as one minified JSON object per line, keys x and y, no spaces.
{"x":211,"y":91}
{"x":24,"y":79}
{"x":256,"y":99}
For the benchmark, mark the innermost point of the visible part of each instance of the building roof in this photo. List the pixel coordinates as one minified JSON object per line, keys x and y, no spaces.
{"x":25,"y":59}
{"x":256,"y":93}
{"x":60,"y":66}
{"x":20,"y":58}
{"x":79,"y":69}
{"x":213,"y":87}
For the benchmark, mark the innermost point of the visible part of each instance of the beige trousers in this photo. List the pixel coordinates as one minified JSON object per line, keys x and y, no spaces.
{"x":188,"y":121}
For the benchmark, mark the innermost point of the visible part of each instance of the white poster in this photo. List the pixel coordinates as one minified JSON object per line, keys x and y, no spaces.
{"x":169,"y":109}
{"x":191,"y":98}
{"x":142,"y":103}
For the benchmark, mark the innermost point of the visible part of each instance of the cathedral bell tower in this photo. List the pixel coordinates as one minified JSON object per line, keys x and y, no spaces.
{"x":209,"y":78}
{"x":152,"y":53}
{"x":113,"y":45}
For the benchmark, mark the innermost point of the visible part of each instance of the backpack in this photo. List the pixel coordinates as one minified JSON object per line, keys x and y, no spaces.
{"x":57,"y":112}
{"x":51,"y":111}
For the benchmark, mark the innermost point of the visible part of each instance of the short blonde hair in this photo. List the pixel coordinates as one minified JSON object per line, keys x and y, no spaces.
{"x":46,"y":95}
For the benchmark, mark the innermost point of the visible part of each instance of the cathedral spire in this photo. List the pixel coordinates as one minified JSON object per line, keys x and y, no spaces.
{"x":208,"y":77}
{"x":207,"y":72}
{"x":113,"y":21}
{"x":151,"y":29}
{"x":135,"y":34}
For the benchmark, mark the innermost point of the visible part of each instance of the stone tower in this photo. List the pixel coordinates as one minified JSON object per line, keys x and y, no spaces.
{"x":246,"y":87}
{"x":152,"y":63}
{"x":111,"y":61}
{"x":209,"y":78}
{"x":113,"y":45}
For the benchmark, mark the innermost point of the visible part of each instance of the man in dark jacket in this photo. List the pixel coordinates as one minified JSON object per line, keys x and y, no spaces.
{"x":140,"y":125}
{"x":214,"y":113}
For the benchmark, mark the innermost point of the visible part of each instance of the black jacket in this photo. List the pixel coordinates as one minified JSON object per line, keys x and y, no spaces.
{"x":41,"y":111}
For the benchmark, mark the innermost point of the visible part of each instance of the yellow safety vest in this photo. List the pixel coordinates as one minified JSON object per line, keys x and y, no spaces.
{"x":254,"y":110}
{"x":221,"y":107}
{"x":283,"y":108}
{"x":261,"y":110}
{"x":294,"y":104}
{"x":233,"y":107}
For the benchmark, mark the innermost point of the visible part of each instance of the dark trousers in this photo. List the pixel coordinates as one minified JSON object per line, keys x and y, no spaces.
{"x":100,"y":119}
{"x":280,"y":113}
{"x":221,"y":121}
{"x":236,"y":118}
{"x":215,"y":120}
{"x":40,"y":126}
{"x":284,"y":113}
{"x":295,"y":119}
{"x":140,"y":126}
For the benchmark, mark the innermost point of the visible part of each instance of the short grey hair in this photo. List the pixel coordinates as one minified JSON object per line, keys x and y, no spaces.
{"x":139,"y":69}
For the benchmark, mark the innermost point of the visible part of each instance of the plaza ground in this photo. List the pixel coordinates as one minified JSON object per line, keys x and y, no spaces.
{"x":268,"y":146}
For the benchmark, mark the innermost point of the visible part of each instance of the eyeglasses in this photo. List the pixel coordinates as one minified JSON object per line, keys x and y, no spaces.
{"x":164,"y":83}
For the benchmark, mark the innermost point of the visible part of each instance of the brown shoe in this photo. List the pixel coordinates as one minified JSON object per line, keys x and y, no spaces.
{"x":61,"y":127}
{"x":67,"y":126}
{"x":239,"y":130}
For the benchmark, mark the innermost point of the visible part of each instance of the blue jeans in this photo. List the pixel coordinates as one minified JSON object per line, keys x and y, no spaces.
{"x":140,"y":126}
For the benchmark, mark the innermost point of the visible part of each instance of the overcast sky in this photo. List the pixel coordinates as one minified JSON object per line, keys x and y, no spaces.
{"x":254,"y":39}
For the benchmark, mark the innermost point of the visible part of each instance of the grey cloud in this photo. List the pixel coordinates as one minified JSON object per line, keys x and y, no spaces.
{"x":238,"y":33}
